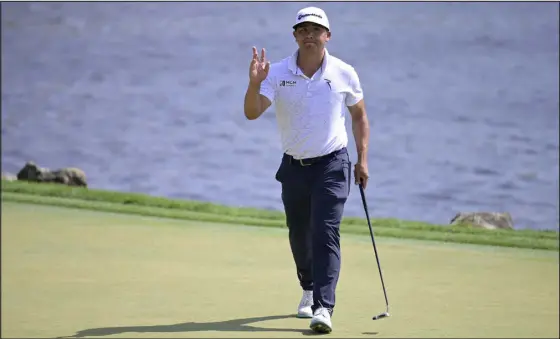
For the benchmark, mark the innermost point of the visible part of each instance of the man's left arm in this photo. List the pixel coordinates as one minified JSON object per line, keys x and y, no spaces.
{"x":360,"y":128}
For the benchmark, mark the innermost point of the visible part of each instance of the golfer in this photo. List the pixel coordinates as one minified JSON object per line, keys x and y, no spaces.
{"x":310,"y":89}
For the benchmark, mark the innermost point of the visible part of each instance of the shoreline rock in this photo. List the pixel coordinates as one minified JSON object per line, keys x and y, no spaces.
{"x":69,"y":176}
{"x":486,"y":220}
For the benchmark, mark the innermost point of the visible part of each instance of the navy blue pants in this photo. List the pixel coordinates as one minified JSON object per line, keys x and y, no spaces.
{"x":314,"y":193}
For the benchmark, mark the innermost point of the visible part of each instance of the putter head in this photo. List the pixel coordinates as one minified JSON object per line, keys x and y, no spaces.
{"x":382,"y":315}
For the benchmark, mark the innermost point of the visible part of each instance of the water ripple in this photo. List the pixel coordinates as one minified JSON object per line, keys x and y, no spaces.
{"x":464,"y":109}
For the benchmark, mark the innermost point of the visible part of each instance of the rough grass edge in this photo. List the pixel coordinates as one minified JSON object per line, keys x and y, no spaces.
{"x":121,"y":202}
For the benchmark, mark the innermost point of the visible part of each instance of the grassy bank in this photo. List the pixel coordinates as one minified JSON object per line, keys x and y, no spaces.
{"x":133,"y":203}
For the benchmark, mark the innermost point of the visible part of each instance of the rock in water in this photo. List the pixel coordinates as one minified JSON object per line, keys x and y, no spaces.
{"x":67,"y":176}
{"x":29,"y":172}
{"x":488,"y":220}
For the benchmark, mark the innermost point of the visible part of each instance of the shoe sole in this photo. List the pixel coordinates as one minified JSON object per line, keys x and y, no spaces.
{"x":304,"y":315}
{"x":321,"y":328}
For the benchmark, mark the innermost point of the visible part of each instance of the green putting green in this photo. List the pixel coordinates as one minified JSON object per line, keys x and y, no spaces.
{"x":68,"y":272}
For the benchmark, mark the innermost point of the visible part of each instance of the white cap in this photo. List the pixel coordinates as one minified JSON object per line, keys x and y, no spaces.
{"x":312,"y":14}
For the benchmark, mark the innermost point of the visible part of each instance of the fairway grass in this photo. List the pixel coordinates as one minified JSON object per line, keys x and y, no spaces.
{"x":71,"y":272}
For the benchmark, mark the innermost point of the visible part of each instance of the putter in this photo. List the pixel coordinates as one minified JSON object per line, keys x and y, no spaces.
{"x":386,"y":313}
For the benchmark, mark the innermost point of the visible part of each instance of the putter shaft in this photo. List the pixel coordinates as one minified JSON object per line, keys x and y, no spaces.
{"x":385,"y":314}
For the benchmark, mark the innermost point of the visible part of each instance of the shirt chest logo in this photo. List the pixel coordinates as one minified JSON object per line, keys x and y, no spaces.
{"x":287,"y":83}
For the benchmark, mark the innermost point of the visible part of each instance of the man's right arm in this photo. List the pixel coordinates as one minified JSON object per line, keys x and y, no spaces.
{"x":255,"y":102}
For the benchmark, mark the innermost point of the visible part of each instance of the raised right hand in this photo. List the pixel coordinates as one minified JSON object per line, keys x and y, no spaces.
{"x":258,"y":71}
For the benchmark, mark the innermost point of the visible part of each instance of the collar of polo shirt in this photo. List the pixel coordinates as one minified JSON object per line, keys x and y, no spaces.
{"x":293,"y":67}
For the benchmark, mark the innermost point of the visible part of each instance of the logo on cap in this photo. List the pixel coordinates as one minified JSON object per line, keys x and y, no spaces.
{"x":301,"y":16}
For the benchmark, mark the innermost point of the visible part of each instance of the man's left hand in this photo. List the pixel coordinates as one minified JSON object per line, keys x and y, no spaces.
{"x":361,"y":174}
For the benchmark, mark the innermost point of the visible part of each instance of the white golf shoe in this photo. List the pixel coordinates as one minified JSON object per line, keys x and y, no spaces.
{"x":304,"y":308}
{"x":321,"y":321}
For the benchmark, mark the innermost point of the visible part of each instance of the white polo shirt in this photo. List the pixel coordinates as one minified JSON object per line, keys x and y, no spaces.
{"x":311,"y":111}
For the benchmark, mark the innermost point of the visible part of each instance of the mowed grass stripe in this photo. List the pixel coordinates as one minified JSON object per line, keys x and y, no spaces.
{"x":54,"y":190}
{"x":53,"y":194}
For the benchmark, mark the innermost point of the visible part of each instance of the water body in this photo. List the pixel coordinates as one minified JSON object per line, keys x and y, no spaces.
{"x":148,"y":97}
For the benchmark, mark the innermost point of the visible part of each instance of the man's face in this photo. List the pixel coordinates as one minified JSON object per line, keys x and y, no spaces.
{"x":311,"y":36}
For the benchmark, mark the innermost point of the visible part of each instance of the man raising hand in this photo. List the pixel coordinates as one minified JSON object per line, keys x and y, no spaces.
{"x":309,"y":89}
